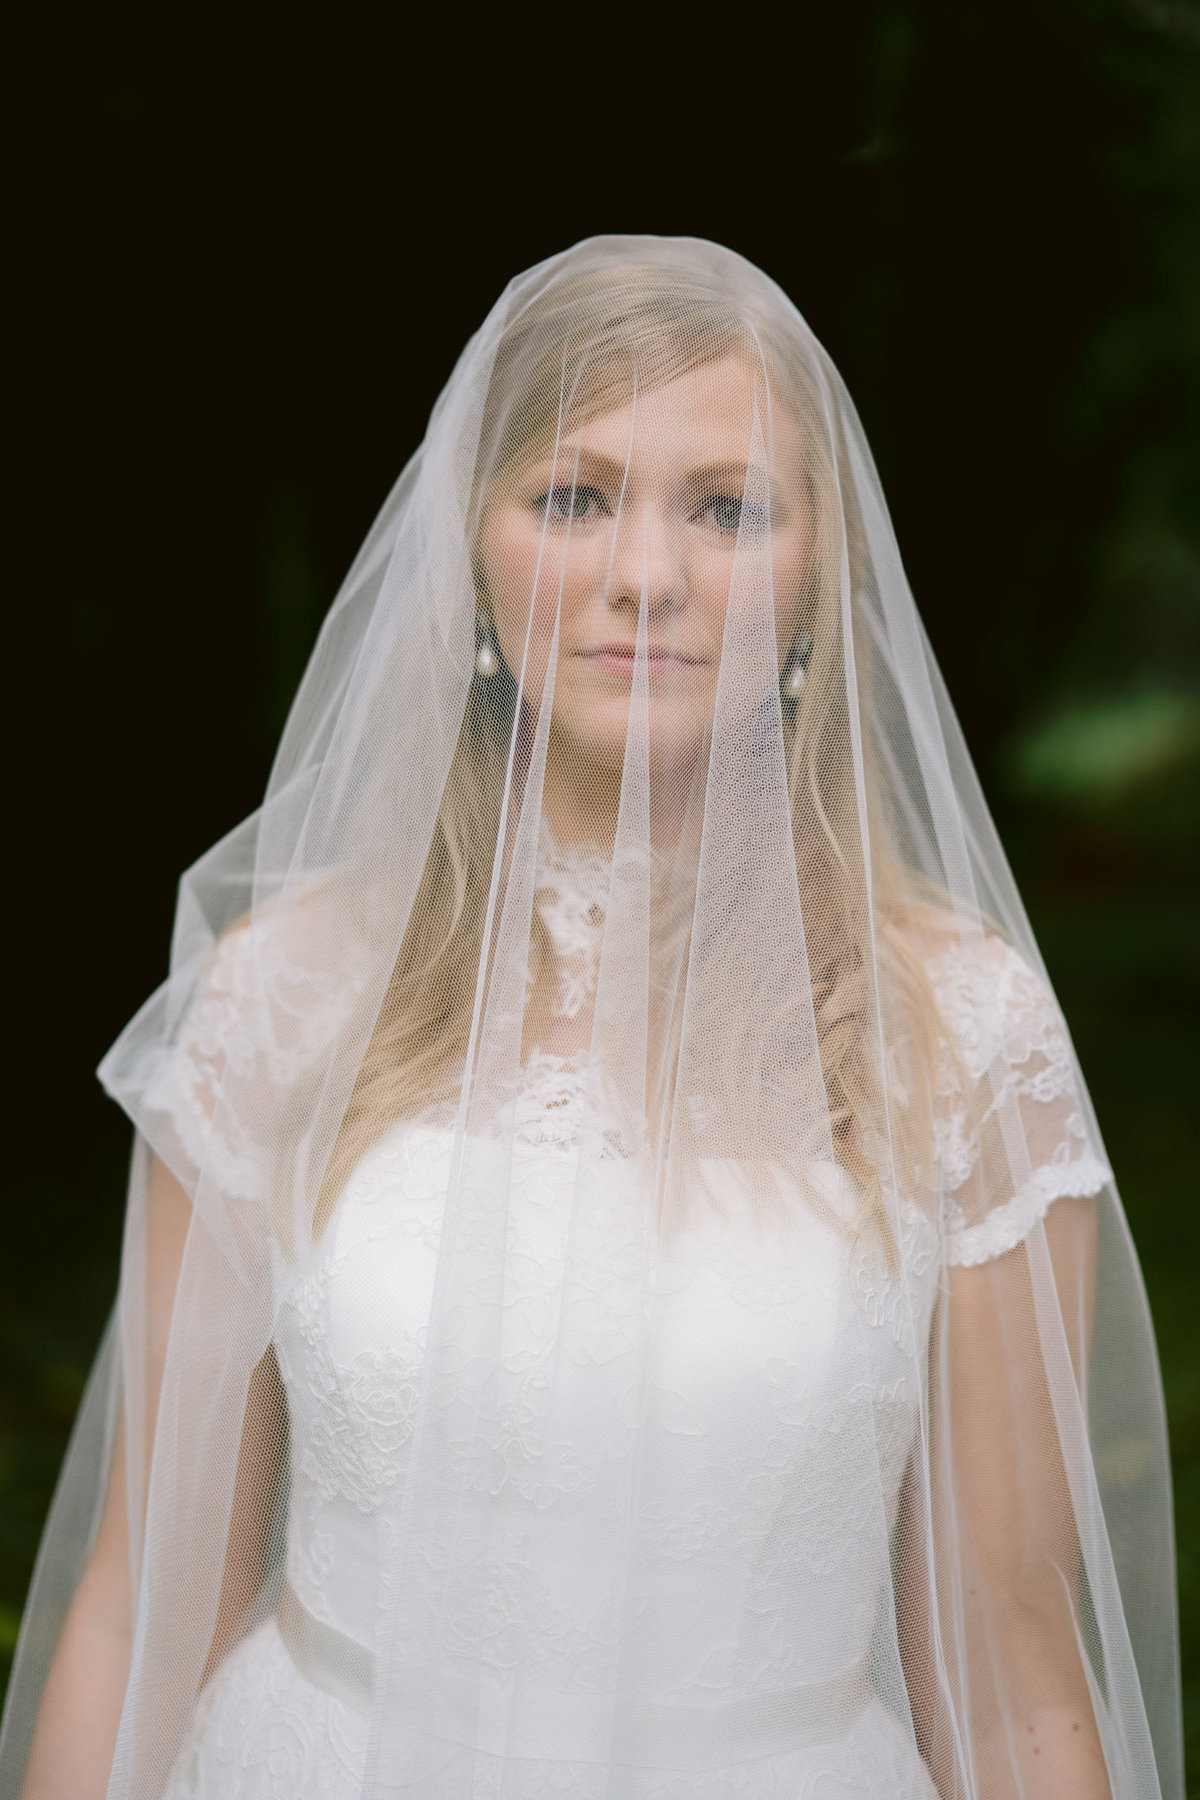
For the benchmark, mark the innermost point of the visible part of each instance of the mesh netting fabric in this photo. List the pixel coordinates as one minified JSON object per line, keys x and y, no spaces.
{"x":623,"y":1295}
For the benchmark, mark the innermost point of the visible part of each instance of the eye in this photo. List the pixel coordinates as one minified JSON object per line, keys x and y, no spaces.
{"x":729,"y":513}
{"x":571,"y":503}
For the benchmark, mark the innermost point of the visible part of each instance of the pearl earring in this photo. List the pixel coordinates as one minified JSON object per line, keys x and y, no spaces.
{"x":795,"y":669}
{"x":487,"y":650}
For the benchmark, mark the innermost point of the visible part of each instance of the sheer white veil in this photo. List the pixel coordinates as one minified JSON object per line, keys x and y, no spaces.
{"x":685,"y":972}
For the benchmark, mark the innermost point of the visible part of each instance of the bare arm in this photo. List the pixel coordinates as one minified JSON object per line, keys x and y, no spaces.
{"x":72,"y":1749}
{"x":1015,"y":1548}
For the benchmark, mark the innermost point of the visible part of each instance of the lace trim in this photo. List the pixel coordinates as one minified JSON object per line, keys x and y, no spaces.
{"x":550,"y":1105}
{"x":572,"y":898}
{"x":1012,"y":1045}
{"x":1009,"y":1225}
{"x":233,"y":1156}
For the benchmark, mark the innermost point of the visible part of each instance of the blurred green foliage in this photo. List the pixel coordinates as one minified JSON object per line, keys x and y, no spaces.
{"x":1098,"y":790}
{"x":1090,"y":754}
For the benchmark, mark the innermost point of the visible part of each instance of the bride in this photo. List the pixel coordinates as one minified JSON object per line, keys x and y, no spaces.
{"x":622,"y":1293}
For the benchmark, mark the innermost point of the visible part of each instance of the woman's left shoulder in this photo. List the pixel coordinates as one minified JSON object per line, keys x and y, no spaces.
{"x":1012,"y":1128}
{"x":993,"y":998}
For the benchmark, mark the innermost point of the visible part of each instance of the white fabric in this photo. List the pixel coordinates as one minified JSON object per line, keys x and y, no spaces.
{"x":750,"y":1430}
{"x":620,"y":1263}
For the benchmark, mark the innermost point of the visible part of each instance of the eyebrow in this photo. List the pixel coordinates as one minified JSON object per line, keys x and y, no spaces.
{"x":735,"y":472}
{"x":565,"y":461}
{"x":596,"y":462}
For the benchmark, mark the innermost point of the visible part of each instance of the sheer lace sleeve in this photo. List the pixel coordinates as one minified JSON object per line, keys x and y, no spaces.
{"x":217,"y":1060}
{"x":181,"y":1089}
{"x":1011,"y":1135}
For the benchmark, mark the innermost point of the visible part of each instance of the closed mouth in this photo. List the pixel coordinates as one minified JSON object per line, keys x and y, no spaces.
{"x":625,"y":655}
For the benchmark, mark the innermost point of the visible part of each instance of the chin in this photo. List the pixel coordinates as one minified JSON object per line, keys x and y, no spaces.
{"x":600,"y":732}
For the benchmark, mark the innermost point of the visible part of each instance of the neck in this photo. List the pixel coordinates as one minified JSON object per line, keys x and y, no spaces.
{"x":579,"y":810}
{"x":571,"y":826}
{"x":583,"y":810}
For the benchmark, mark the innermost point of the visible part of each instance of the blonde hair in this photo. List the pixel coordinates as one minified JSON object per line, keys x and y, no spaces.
{"x":587,"y":339}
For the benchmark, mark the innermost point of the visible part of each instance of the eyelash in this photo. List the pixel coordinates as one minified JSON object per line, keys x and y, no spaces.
{"x":563,"y":503}
{"x":567,"y":500}
{"x":753,"y":519}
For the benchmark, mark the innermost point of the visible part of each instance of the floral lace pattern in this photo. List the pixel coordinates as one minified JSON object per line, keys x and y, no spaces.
{"x":1010,"y":1043}
{"x":788,"y":1450}
{"x":264,"y":1011}
{"x":572,"y":895}
{"x":772,"y":1427}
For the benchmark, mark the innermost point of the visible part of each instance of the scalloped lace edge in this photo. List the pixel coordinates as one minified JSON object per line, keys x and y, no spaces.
{"x":1007,"y":1226}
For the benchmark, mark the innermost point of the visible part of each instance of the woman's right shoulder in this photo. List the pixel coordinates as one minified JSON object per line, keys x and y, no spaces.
{"x":290,"y":970}
{"x":257,"y":1011}
{"x":299,"y":935}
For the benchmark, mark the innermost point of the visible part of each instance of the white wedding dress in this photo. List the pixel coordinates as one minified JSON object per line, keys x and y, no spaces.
{"x":788,"y":1403}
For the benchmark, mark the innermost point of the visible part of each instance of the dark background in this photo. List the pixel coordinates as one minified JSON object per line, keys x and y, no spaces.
{"x":243,"y":261}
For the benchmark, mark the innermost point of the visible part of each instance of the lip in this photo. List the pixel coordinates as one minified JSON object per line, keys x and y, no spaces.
{"x":620,"y":658}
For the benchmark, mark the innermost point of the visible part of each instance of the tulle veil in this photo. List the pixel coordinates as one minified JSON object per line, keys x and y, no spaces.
{"x":652,"y":1298}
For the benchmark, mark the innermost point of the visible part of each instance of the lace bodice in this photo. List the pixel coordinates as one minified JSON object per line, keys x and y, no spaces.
{"x":787,"y":1382}
{"x":735,"y":1414}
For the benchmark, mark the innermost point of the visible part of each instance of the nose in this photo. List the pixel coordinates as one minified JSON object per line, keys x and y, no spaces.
{"x":646,"y":558}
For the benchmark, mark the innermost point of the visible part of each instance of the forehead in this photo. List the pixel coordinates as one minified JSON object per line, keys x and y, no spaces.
{"x":718,"y":412}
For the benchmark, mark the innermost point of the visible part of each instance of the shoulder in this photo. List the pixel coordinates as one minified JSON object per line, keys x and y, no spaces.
{"x":247,"y":1020}
{"x":251,"y":1010}
{"x":972,"y":991}
{"x":1011,"y":1126}
{"x":308,"y":948}
{"x":994,"y":1002}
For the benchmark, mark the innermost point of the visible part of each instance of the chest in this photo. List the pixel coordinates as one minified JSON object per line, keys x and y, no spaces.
{"x":745,"y":1352}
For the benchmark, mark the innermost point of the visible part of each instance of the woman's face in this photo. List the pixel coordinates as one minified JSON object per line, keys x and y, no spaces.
{"x":659,"y":499}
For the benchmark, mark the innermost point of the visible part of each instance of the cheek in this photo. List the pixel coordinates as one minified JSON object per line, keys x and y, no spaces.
{"x":523,"y":571}
{"x":779,"y":569}
{"x":509,"y":558}
{"x":710,"y":573}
